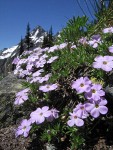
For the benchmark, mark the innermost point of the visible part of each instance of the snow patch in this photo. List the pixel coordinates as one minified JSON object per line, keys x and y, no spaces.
{"x":8,"y":52}
{"x":40,"y":39}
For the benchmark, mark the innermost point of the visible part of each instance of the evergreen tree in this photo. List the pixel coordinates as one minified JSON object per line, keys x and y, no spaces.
{"x":21,"y":49}
{"x":45,"y":41}
{"x":28,"y":40}
{"x":48,"y":39}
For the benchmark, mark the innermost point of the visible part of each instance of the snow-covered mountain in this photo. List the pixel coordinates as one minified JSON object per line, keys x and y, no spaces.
{"x":37,"y":35}
{"x":8,"y":54}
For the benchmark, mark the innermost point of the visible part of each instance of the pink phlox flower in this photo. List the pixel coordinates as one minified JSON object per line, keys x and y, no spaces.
{"x":15,"y":61}
{"x":24,"y":128}
{"x":22,"y":61}
{"x":45,"y":49}
{"x":29,"y":66}
{"x":96,"y":39}
{"x":44,"y":56}
{"x":34,"y":79}
{"x":108,"y":30}
{"x":96,"y":108}
{"x":40,"y":63}
{"x":95,"y":93}
{"x":110,"y":49}
{"x":52,"y":59}
{"x":93,"y":43}
{"x":83,"y":40}
{"x":20,"y":73}
{"x":53,"y":48}
{"x":48,"y":87}
{"x":23,"y":73}
{"x":40,"y":114}
{"x":80,"y":110}
{"x":26,"y":90}
{"x":45,"y":78}
{"x":75,"y":120}
{"x":37,"y":52}
{"x":37,"y":49}
{"x":54,"y":115}
{"x":17,"y":70}
{"x":73,"y":47}
{"x":28,"y":79}
{"x":33,"y":58}
{"x":40,"y":79}
{"x":63,"y":45}
{"x":21,"y":96}
{"x":26,"y":72}
{"x":103,"y":62}
{"x":81,"y":85}
{"x":38,"y":73}
{"x":26,"y":53}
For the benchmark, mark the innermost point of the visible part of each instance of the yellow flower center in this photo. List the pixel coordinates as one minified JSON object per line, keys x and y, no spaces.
{"x":81,"y":84}
{"x":96,"y":105}
{"x":104,"y":62}
{"x":93,"y":91}
{"x":75,"y":117}
{"x":24,"y":127}
{"x":48,"y":86}
{"x":82,"y":107}
{"x":41,"y":114}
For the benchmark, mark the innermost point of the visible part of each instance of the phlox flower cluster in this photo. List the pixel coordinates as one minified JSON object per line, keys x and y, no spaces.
{"x":108,"y":30}
{"x":36,"y":60}
{"x":39,"y":79}
{"x":38,"y":116}
{"x":94,"y":104}
{"x":95,"y":41}
{"x":105,"y":62}
{"x":83,"y":40}
{"x":31,"y":67}
{"x":33,"y":61}
{"x":22,"y":96}
{"x":41,"y":114}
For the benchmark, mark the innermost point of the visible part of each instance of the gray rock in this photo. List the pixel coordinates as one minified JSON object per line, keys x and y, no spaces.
{"x":9,"y":86}
{"x":109,"y":91}
{"x":9,"y":142}
{"x":9,"y":115}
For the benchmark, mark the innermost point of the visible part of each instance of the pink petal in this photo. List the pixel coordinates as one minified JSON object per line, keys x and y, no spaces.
{"x":70,"y":123}
{"x":95,"y":113}
{"x":79,"y":122}
{"x":45,"y":108}
{"x":40,"y":120}
{"x":103,"y":109}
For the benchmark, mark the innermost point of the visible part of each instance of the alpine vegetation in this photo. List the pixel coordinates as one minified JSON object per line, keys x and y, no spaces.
{"x":64,"y":86}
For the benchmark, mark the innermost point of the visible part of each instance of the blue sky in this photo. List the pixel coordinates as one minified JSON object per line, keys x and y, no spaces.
{"x":15,"y":14}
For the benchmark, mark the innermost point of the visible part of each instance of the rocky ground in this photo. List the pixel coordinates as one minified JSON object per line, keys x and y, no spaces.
{"x":9,"y":86}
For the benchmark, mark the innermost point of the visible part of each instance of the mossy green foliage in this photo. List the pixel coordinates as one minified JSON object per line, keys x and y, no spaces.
{"x":75,"y":28}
